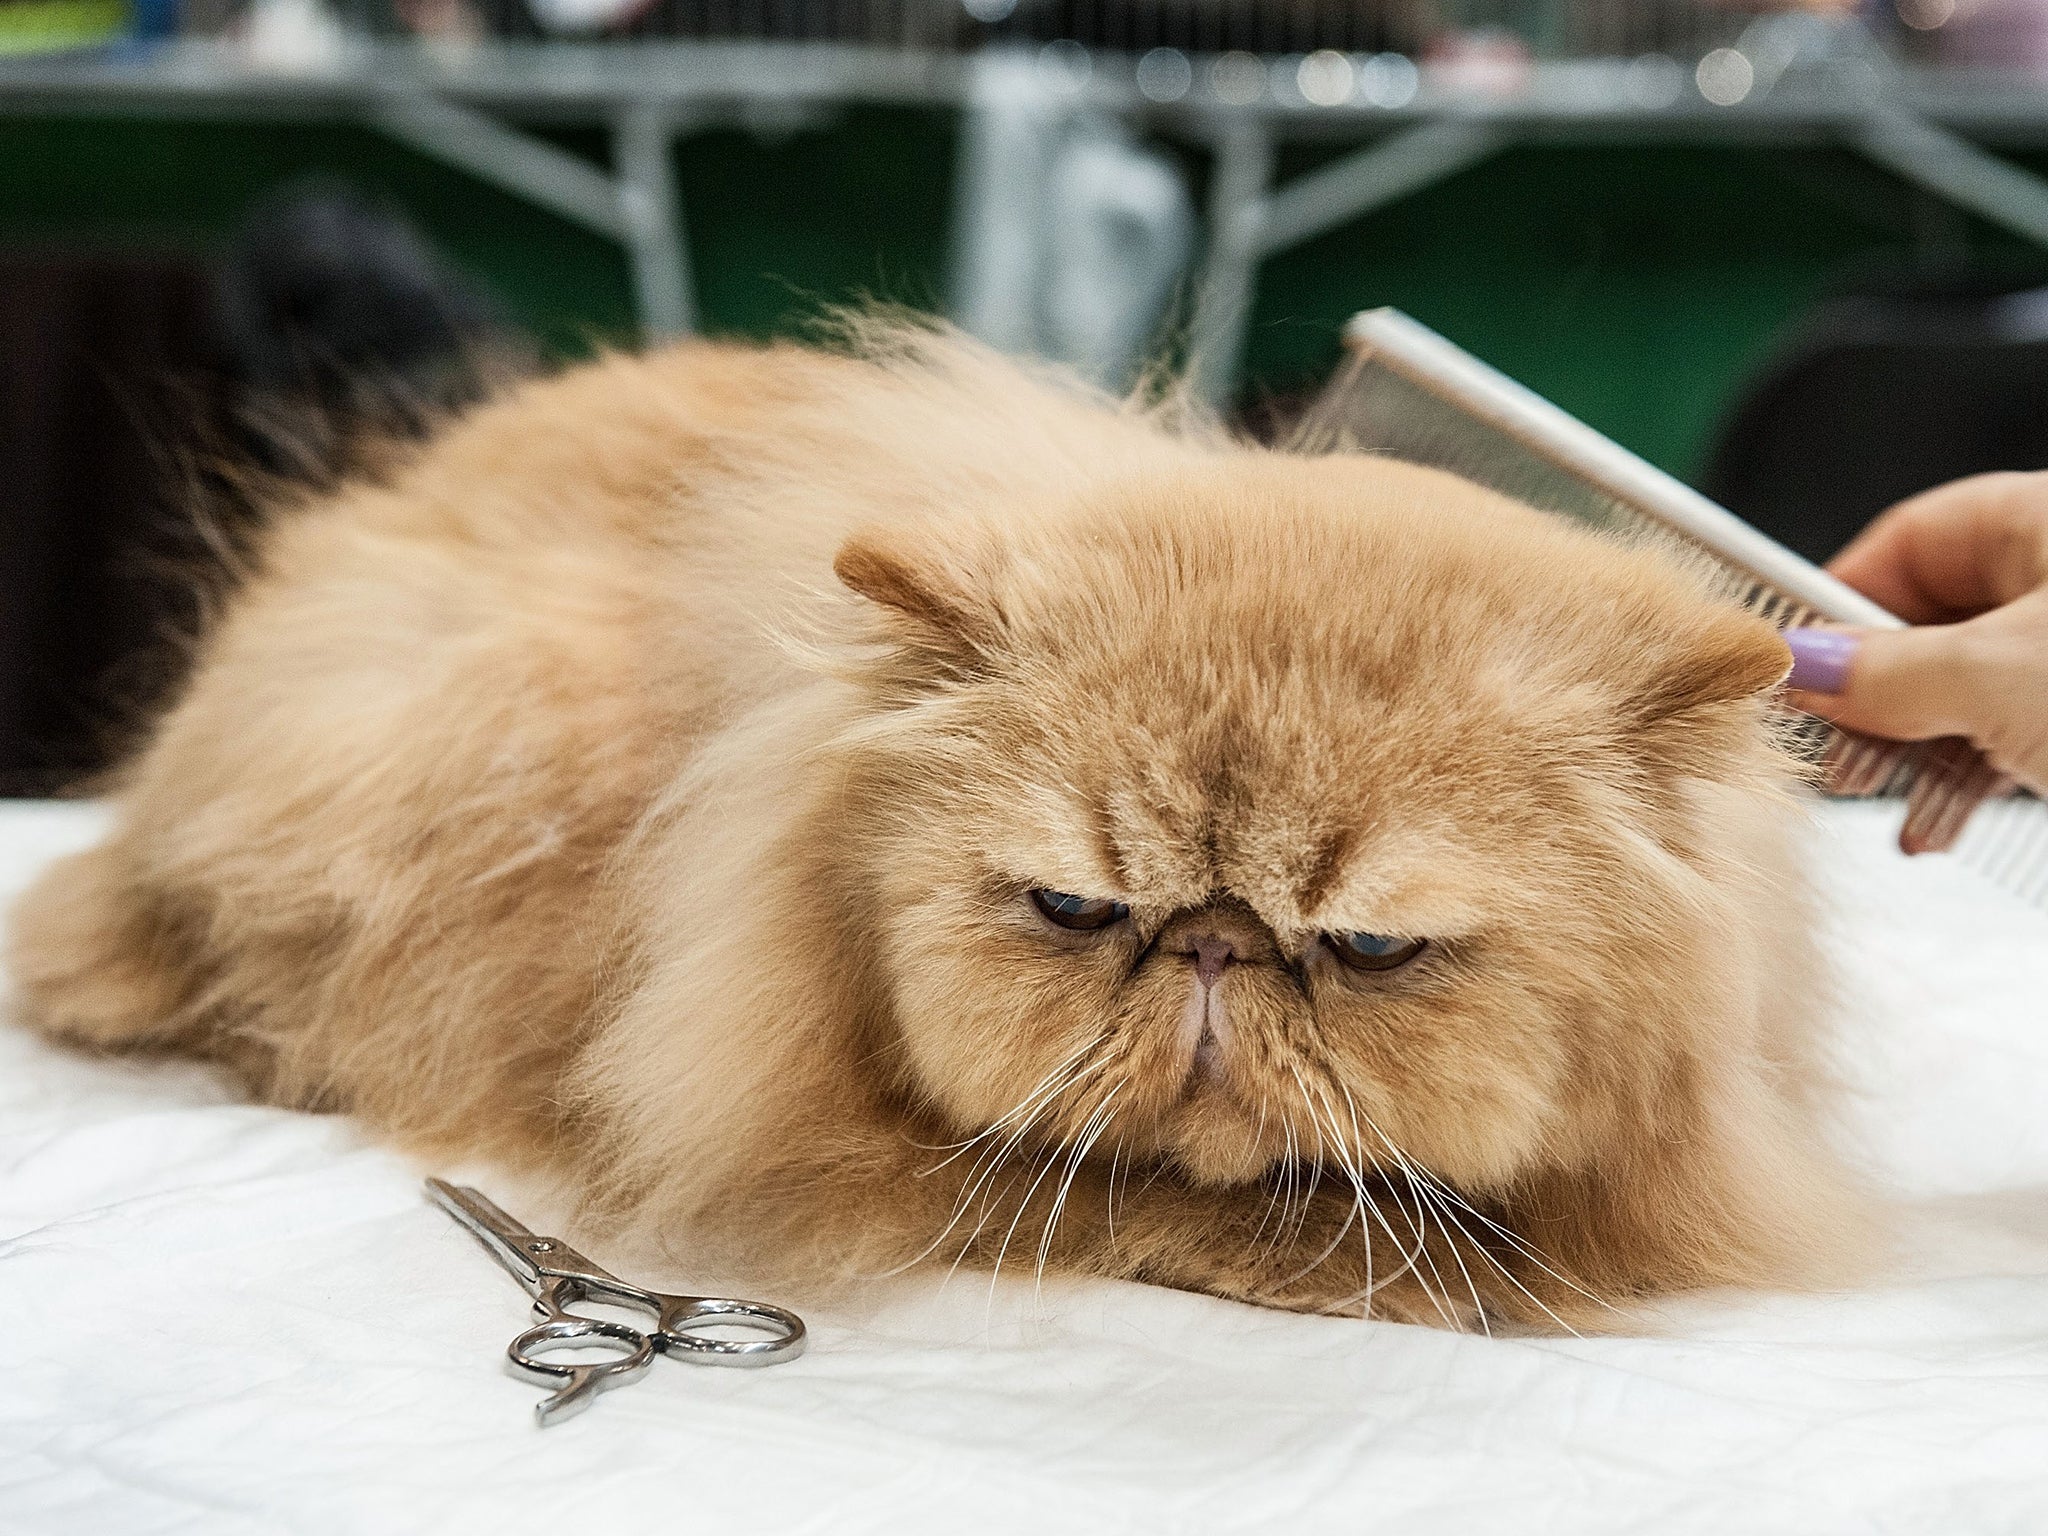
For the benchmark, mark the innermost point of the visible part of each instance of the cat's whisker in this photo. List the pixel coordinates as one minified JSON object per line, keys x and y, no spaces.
{"x":1315,"y":1165}
{"x":1418,"y":1229}
{"x":1373,"y":1287}
{"x":980,"y":1176}
{"x":1292,"y":1170}
{"x":1002,"y":1151}
{"x":1451,"y":1231}
{"x":1044,"y":1085}
{"x":1446,"y":1212}
{"x":987,"y":1203}
{"x":1091,"y":1132}
{"x":1115,"y":1157}
{"x":1422,"y":1180}
{"x":1356,"y":1149}
{"x":1360,"y":1183}
{"x":980,"y":1172}
{"x":1352,"y":1216}
{"x":1271,"y":1179}
{"x":1365,"y":1209}
{"x":1084,"y":1142}
{"x":1361,"y":1202}
{"x":1527,"y":1249}
{"x":991,"y":1159}
{"x":1024,"y":1205}
{"x":1421,"y":1200}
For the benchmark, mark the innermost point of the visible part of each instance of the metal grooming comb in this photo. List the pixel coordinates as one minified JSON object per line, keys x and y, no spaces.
{"x":1407,"y":392}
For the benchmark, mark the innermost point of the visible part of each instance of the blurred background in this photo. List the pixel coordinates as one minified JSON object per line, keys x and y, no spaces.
{"x":1796,"y":254}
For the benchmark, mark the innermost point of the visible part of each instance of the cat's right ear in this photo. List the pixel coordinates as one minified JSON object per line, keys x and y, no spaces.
{"x":935,"y":599}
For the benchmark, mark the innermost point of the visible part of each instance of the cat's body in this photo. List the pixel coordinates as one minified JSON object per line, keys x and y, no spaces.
{"x":551,"y":803}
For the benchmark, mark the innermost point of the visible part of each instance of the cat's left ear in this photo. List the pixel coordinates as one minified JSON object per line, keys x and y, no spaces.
{"x":936,"y":594}
{"x":1731,"y":656}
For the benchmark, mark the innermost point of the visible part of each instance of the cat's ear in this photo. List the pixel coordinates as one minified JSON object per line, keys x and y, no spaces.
{"x":935,"y":592}
{"x":1730,"y":656}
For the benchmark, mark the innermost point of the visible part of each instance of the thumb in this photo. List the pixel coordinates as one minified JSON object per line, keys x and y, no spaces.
{"x":1908,"y":684}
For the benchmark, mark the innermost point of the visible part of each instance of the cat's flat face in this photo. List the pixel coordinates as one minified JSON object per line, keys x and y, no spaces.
{"x":1322,"y":810}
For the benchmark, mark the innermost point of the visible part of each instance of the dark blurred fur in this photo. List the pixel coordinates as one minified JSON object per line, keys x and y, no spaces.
{"x":343,"y":335}
{"x":336,"y":342}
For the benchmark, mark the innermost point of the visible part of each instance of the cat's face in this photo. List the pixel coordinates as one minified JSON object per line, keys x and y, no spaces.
{"x":1312,"y":810}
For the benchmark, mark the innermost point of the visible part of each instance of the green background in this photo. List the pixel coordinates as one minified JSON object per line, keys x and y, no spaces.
{"x":1635,"y":285}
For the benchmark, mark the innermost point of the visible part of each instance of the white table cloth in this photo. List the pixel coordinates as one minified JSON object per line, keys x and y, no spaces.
{"x":222,"y":1319}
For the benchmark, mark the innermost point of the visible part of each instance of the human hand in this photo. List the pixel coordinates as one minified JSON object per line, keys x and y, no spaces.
{"x":1967,"y":565}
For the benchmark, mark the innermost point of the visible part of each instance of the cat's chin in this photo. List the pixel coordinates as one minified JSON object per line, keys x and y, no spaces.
{"x":1212,"y":1141}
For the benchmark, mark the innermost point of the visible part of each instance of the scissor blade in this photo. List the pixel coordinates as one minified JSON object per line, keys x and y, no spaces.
{"x":502,"y":1237}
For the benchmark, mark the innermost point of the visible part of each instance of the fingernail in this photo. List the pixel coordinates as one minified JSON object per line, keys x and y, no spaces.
{"x":1821,"y":658}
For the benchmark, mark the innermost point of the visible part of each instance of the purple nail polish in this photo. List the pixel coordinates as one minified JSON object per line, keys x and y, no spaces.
{"x":1821,"y":658}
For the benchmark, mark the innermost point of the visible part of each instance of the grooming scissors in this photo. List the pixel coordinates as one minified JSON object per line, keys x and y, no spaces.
{"x":558,"y":1277}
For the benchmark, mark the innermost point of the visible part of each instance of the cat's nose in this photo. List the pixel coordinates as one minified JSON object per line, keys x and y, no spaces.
{"x":1212,"y":953}
{"x":1217,"y":935}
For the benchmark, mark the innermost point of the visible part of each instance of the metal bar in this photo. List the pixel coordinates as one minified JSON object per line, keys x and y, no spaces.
{"x":1372,"y":177}
{"x":654,"y":233}
{"x":517,"y":162}
{"x":1223,"y":292}
{"x":1011,"y":128}
{"x":1954,"y":168}
{"x":585,"y":82}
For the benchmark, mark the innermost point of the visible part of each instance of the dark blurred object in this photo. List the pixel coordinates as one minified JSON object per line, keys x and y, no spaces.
{"x":337,"y":325}
{"x":153,"y":408}
{"x":1880,"y":395}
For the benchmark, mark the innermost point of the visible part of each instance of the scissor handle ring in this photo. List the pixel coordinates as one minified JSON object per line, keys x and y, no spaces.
{"x":576,"y":1381}
{"x":786,"y":1335}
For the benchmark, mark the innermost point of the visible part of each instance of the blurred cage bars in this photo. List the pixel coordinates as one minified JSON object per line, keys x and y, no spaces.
{"x":1065,"y":104}
{"x":1547,"y":28}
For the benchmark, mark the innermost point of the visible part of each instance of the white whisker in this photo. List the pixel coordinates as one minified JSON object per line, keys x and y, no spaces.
{"x":991,"y":1159}
{"x":1425,"y":1182}
{"x":1115,"y":1157}
{"x":1045,"y":1085}
{"x":1350,"y":1217}
{"x":1091,"y":1132}
{"x":1437,"y":1298}
{"x":1422,"y":1208}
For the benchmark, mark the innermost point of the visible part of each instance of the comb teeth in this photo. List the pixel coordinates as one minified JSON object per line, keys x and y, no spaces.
{"x":1942,"y":781}
{"x":1409,"y":393}
{"x":2008,"y":841}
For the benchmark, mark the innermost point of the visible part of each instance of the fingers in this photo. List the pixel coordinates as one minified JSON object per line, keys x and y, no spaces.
{"x":1955,"y":551}
{"x":1986,"y":679}
{"x":1902,"y":683}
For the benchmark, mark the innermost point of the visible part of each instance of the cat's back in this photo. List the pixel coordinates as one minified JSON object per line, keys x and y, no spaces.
{"x":375,"y":829}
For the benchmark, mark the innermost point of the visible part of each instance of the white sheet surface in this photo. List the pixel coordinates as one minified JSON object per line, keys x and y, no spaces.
{"x":222,"y":1319}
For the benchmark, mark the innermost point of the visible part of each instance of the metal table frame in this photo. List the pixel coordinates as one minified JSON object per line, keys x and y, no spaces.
{"x":467,"y":107}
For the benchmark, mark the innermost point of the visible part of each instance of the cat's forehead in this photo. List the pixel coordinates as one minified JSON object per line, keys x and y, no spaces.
{"x":1313,"y":804}
{"x":1323,"y":828}
{"x":1330,"y":707}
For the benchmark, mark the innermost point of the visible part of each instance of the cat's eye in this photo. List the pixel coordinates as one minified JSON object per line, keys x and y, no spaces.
{"x":1373,"y":951}
{"x":1084,"y":913}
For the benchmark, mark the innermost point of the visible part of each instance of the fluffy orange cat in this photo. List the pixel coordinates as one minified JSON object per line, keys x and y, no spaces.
{"x":1316,"y":881}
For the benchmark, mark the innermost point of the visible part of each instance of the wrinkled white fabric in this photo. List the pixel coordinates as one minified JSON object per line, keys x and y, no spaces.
{"x":227,"y":1319}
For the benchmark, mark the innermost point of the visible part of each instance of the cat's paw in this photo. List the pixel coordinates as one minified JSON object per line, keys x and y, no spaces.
{"x":87,"y":961}
{"x":1332,"y":1263}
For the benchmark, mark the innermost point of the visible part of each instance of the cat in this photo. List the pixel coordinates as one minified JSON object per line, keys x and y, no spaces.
{"x":844,"y":809}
